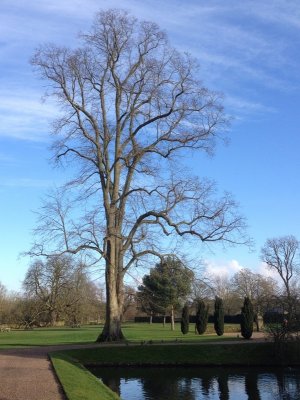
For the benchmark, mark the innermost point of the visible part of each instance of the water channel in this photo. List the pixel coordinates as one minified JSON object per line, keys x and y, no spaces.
{"x":202,"y":383}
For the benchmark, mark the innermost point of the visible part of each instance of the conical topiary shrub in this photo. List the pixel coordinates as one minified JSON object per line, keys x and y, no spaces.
{"x":201,"y":317}
{"x":247,"y":319}
{"x":219,"y":316}
{"x":185,"y":319}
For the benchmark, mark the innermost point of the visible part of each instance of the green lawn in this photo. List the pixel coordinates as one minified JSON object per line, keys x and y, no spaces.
{"x":48,"y":336}
{"x":88,"y":334}
{"x":157,"y":332}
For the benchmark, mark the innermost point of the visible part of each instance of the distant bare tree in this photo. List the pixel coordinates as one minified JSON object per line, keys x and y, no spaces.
{"x":129,"y":299}
{"x":49,"y":283}
{"x":202,"y":289}
{"x":131,"y":105}
{"x":282,"y":255}
{"x":3,"y":301}
{"x":80,"y":298}
{"x":261,"y":290}
{"x":222,"y":287}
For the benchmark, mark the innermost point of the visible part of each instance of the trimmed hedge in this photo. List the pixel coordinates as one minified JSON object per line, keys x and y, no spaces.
{"x":228,"y":319}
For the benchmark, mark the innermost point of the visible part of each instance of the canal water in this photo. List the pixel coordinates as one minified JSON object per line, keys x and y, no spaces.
{"x":192,"y":383}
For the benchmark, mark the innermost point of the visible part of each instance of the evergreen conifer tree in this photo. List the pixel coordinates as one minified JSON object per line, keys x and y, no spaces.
{"x":219,"y":316}
{"x":247,"y":319}
{"x":201,"y":317}
{"x":185,"y":319}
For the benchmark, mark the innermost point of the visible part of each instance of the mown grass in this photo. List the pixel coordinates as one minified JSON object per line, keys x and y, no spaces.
{"x":88,"y":334}
{"x":157,"y":332}
{"x":48,"y":336}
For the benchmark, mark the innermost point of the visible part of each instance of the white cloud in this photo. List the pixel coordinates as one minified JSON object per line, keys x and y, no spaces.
{"x":24,"y":116}
{"x":222,"y":268}
{"x":227,"y":268}
{"x":246,"y":106}
{"x":265,"y":271}
{"x":278,"y":11}
{"x":226,"y":40}
{"x":231,"y":40}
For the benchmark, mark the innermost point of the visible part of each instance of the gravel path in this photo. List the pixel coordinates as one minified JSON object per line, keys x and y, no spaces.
{"x":27,"y":374}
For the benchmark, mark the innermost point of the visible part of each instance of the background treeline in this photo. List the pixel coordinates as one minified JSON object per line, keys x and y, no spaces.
{"x":56,"y":291}
{"x":60,"y":291}
{"x":159,"y":319}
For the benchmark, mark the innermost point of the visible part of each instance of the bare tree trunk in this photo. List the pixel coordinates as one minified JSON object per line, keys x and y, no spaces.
{"x":112,"y":331}
{"x":172,"y":319}
{"x":256,"y":322}
{"x":53,"y":317}
{"x":112,"y":328}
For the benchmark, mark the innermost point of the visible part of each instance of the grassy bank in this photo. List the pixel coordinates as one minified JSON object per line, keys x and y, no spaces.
{"x":248,"y":354}
{"x":78,"y":383}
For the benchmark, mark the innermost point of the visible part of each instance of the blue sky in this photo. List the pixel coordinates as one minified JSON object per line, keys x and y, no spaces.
{"x":249,"y":50}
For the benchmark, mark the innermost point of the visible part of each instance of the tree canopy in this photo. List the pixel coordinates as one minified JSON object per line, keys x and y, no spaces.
{"x":166,"y":287}
{"x":59,"y":289}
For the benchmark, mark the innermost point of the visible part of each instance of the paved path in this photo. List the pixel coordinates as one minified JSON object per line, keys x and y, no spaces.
{"x":27,"y":374}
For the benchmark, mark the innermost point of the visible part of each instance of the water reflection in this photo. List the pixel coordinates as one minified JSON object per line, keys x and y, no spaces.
{"x":288,"y":387}
{"x":223,"y":387}
{"x":251,"y":388}
{"x":202,"y":383}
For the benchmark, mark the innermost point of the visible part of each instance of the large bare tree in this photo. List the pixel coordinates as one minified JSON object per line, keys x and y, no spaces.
{"x":132,"y":106}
